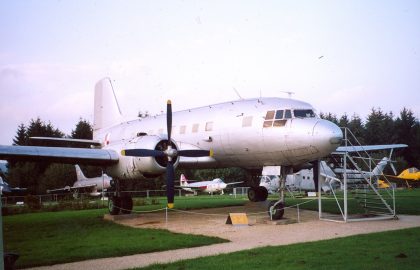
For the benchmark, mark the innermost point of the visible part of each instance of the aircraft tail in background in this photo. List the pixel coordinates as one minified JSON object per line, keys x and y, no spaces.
{"x":79,"y":174}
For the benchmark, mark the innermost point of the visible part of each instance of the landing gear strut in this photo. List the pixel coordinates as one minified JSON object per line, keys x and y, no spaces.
{"x":276,"y":208}
{"x":119,"y":203}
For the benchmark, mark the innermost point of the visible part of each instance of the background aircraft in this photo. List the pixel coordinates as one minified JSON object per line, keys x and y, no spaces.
{"x":247,"y":133}
{"x":93,"y":186}
{"x":304,"y":179}
{"x":10,"y":191}
{"x":410,"y":176}
{"x":301,"y":180}
{"x":212,"y":186}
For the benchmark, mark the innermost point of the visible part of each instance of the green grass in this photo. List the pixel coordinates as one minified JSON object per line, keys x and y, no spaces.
{"x":386,"y":250}
{"x":57,"y":237}
{"x":196,"y":202}
{"x":407,"y":202}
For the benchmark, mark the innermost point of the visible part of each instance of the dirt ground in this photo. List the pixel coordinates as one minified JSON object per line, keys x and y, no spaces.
{"x":302,"y":226}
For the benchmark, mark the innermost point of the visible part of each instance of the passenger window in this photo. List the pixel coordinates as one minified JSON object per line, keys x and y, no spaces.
{"x":288,"y":114}
{"x":195,"y":128}
{"x":247,"y":121}
{"x":209,"y":126}
{"x":279,"y":114}
{"x":269,"y":115}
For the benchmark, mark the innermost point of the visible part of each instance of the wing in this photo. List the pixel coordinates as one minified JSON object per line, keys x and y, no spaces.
{"x":234,"y":183}
{"x":83,"y":186}
{"x":59,"y":190}
{"x":360,"y":148}
{"x":59,"y":154}
{"x":400,"y":179}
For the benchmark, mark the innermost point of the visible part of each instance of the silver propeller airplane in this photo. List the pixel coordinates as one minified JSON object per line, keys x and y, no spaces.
{"x":247,"y":133}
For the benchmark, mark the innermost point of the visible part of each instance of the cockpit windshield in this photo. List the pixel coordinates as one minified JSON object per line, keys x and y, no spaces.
{"x":303,"y":113}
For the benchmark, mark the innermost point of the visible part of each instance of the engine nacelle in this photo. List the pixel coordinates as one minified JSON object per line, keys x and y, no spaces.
{"x":141,"y":167}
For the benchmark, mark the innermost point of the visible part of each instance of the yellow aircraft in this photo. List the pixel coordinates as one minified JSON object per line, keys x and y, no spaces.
{"x":410,"y":175}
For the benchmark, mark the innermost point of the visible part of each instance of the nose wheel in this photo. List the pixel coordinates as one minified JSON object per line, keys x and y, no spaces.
{"x":276,"y":210}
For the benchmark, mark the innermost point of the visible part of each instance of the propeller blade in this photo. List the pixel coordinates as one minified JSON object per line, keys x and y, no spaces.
{"x":142,"y":153}
{"x":195,"y":153}
{"x":169,"y":119}
{"x":170,"y":184}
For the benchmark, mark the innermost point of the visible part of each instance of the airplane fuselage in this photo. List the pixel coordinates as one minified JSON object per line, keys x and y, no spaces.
{"x":246,"y":133}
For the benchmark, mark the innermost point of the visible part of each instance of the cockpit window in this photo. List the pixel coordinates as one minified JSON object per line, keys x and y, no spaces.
{"x":413,"y":170}
{"x":269,"y":115}
{"x":279,"y":114}
{"x":276,"y":118}
{"x":288,"y":114}
{"x":304,"y":113}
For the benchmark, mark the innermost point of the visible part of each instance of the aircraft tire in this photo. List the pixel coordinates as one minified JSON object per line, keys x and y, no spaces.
{"x":253,"y":194}
{"x":126,"y":205}
{"x":114,"y":205}
{"x":262,"y":194}
{"x":278,"y":212}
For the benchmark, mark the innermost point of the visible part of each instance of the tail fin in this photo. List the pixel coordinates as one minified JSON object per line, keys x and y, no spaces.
{"x":327,"y":170}
{"x":183,"y":180}
{"x":380,"y":167}
{"x":79,"y":174}
{"x":106,"y":109}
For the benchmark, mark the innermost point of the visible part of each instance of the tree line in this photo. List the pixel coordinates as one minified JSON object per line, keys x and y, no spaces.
{"x":379,"y":128}
{"x":385,"y":128}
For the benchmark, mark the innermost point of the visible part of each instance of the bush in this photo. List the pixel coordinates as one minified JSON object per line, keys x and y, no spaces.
{"x":32,"y":202}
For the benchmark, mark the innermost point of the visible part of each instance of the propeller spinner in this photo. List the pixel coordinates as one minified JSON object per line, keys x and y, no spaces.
{"x":170,"y":153}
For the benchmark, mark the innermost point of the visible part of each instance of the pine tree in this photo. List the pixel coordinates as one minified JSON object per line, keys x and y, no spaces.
{"x":83,"y":130}
{"x":20,"y":138}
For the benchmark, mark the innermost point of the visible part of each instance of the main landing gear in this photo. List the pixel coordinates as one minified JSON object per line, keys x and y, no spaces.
{"x":118,"y":203}
{"x":257,"y":194}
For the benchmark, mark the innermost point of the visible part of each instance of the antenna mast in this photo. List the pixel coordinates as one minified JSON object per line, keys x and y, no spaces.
{"x":289,"y":93}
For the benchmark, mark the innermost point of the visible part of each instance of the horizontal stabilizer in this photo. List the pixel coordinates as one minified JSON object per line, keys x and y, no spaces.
{"x":67,"y":141}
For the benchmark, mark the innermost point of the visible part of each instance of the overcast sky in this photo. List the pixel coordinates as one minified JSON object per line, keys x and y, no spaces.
{"x":342,"y":57}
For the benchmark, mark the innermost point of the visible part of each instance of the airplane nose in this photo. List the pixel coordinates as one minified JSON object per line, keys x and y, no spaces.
{"x":327,"y":133}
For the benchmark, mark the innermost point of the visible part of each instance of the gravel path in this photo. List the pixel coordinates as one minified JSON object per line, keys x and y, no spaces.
{"x":259,"y":233}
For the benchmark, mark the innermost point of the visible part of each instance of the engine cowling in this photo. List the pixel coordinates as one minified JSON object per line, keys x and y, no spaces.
{"x":130,"y":167}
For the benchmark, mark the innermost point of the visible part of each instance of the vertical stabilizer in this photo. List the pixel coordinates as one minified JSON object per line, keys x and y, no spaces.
{"x":106,"y":109}
{"x":183,"y":180}
{"x":380,"y":167}
{"x":79,"y":174}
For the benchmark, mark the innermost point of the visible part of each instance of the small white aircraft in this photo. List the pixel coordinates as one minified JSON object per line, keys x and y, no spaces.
{"x":247,"y":133}
{"x":6,"y":189}
{"x":93,"y":185}
{"x":212,"y":186}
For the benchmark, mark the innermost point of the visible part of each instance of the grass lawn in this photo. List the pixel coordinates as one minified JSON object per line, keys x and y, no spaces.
{"x":386,"y":250}
{"x":406,"y":200}
{"x":56,"y":237}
